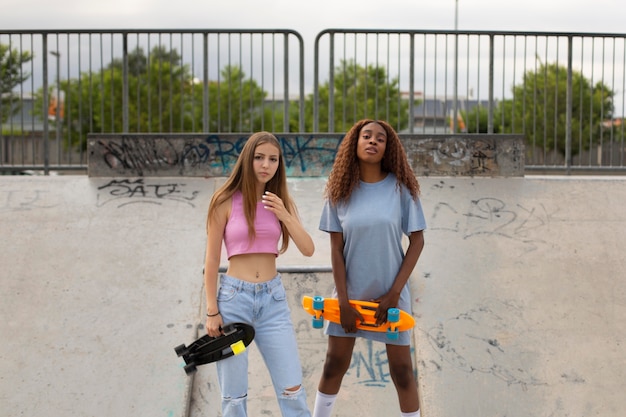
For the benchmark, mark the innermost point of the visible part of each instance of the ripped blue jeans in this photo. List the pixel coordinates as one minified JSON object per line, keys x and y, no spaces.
{"x":265,"y":307}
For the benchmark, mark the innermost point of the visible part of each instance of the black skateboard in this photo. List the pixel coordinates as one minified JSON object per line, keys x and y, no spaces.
{"x":207,"y":349}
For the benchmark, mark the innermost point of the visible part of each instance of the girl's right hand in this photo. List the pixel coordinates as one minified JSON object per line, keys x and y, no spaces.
{"x":349,"y":318}
{"x":214,"y":325}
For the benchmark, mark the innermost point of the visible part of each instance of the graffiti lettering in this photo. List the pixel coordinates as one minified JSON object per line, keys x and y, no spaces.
{"x":18,"y":200}
{"x":212,"y":151}
{"x":371,"y":366}
{"x":486,"y":331}
{"x":138,"y":155}
{"x":305,"y":155}
{"x":492,"y":216}
{"x":124,"y":192}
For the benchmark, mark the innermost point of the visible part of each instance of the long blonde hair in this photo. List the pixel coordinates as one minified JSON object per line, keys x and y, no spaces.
{"x":242,"y":178}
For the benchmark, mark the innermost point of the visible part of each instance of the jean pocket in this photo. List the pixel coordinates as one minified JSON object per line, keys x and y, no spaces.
{"x":278,"y":293}
{"x":226,"y":293}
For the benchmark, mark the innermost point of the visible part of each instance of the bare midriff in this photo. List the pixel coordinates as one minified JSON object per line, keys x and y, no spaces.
{"x":252,"y":267}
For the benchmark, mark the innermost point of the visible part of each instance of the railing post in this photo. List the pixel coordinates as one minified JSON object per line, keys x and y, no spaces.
{"x":286,"y":83}
{"x":301,"y":95}
{"x":455,"y":121}
{"x":45,"y":105}
{"x":316,"y":74}
{"x":412,"y":85}
{"x":125,"y":106}
{"x":491,"y":68}
{"x":331,"y":84}
{"x":205,"y":83}
{"x":568,"y":108}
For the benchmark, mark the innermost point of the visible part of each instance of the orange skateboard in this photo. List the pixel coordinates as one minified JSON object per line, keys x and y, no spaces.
{"x":328,"y":308}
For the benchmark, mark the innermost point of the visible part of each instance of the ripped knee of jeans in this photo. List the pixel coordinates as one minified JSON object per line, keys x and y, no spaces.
{"x":235,"y":400}
{"x":292,"y":392}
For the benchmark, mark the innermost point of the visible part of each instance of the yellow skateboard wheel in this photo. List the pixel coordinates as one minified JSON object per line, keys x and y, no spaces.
{"x":238,"y":347}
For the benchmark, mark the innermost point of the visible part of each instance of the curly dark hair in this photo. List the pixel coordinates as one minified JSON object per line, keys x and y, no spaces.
{"x":344,"y":175}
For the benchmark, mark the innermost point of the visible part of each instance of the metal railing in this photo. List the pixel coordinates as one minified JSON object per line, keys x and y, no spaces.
{"x":148,"y":81}
{"x":563,"y":91}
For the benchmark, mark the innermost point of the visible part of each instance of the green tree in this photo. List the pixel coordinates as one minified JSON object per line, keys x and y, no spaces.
{"x":11,"y":75}
{"x":539,"y":109}
{"x":237,"y":104}
{"x":163,"y":96}
{"x":159,"y":93}
{"x":477,"y":120}
{"x":359,"y":93}
{"x":138,"y":61}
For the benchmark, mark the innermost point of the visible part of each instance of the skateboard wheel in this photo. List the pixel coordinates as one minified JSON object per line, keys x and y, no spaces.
{"x":392,"y":334}
{"x":318,"y":323}
{"x":190,"y":369}
{"x":393,"y":315}
{"x":238,"y":347}
{"x":318,"y":303}
{"x":180,"y":350}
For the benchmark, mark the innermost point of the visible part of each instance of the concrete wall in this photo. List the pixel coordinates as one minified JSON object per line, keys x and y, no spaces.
{"x":519,"y":299}
{"x":306,"y":155}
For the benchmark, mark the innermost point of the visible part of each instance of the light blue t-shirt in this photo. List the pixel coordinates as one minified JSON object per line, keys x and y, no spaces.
{"x":373,"y":222}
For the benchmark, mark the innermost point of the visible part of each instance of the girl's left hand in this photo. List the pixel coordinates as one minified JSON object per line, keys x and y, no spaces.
{"x":385,"y":302}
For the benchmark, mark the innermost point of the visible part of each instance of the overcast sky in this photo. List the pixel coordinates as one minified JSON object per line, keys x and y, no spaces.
{"x":309,"y":17}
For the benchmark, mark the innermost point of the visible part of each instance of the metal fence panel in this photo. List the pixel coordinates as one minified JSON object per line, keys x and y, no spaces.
{"x":151,"y":81}
{"x":563,"y":91}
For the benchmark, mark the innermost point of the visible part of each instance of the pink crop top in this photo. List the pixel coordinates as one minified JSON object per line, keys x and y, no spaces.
{"x":266,"y":225}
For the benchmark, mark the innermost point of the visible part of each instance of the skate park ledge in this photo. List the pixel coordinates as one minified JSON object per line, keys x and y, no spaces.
{"x":306,"y":155}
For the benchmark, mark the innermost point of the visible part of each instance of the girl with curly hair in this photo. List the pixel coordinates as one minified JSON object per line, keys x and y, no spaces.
{"x":250,"y":214}
{"x":372,"y":199}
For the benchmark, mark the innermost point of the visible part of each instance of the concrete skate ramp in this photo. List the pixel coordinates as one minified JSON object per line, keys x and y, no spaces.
{"x":520,"y":299}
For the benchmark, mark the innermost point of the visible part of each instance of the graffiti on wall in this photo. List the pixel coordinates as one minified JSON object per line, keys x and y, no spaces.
{"x":20,"y":199}
{"x":214,"y":155}
{"x":520,"y":222}
{"x":309,"y":155}
{"x":370,"y":365}
{"x":301,"y":153}
{"x":131,"y":191}
{"x":459,"y":155}
{"x":482,"y":339}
